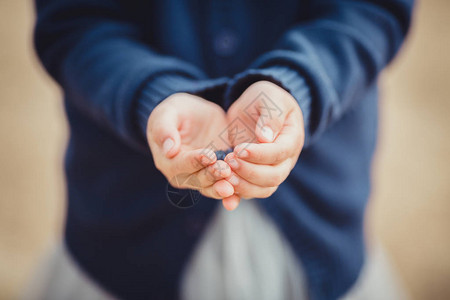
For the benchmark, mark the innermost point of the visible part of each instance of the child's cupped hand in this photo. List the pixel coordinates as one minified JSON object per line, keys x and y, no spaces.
{"x":179,"y":131}
{"x":265,"y":127}
{"x":270,"y":118}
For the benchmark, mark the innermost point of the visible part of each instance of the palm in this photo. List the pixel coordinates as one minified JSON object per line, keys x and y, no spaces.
{"x":203,"y":125}
{"x":244,"y":114}
{"x":241,"y":128}
{"x":242,"y":119}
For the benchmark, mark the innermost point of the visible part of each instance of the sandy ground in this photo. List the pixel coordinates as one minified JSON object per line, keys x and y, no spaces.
{"x":409,"y":210}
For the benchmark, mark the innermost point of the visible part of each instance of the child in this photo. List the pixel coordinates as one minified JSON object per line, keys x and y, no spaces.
{"x":153,"y":88}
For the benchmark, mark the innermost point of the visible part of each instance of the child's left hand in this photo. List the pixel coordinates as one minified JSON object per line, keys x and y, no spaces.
{"x":259,"y":167}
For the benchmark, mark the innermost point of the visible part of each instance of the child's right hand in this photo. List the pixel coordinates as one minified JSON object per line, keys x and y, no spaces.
{"x":179,"y":131}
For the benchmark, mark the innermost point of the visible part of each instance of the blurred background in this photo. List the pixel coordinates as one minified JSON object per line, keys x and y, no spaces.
{"x":410,"y":206}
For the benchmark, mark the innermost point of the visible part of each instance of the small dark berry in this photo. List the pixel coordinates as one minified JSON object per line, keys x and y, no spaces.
{"x":220,"y":154}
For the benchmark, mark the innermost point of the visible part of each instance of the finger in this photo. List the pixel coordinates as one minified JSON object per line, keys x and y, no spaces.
{"x":189,"y":162}
{"x":163,"y":131}
{"x":219,"y":190}
{"x":272,"y":106}
{"x":267,"y":128}
{"x":247,"y":190}
{"x":287,"y":144}
{"x":270,"y":121}
{"x":205,"y":179}
{"x":231,"y":203}
{"x":262,"y":175}
{"x":209,"y":175}
{"x":267,"y":153}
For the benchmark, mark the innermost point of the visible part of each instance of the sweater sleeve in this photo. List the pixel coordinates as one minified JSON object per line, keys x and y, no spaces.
{"x":94,"y":50}
{"x":329,"y":61}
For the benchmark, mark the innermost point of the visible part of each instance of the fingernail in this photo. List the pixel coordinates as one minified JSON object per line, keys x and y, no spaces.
{"x":167,"y":145}
{"x":267,"y":133}
{"x":234,"y":180}
{"x":243,"y":153}
{"x":233,"y":163}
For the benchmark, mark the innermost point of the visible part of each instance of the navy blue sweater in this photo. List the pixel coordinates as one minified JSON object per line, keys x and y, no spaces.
{"x":117,"y":59}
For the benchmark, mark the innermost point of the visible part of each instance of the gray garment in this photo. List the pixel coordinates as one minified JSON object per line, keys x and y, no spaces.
{"x":242,"y":255}
{"x":59,"y":278}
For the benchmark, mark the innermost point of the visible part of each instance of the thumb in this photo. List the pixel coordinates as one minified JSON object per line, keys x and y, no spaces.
{"x":268,"y":128}
{"x":165,"y":133}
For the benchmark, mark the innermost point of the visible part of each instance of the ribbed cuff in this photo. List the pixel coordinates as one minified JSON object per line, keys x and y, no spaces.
{"x":161,"y":87}
{"x":282,"y":76}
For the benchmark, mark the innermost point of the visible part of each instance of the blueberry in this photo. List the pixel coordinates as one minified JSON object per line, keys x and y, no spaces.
{"x":220,"y":154}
